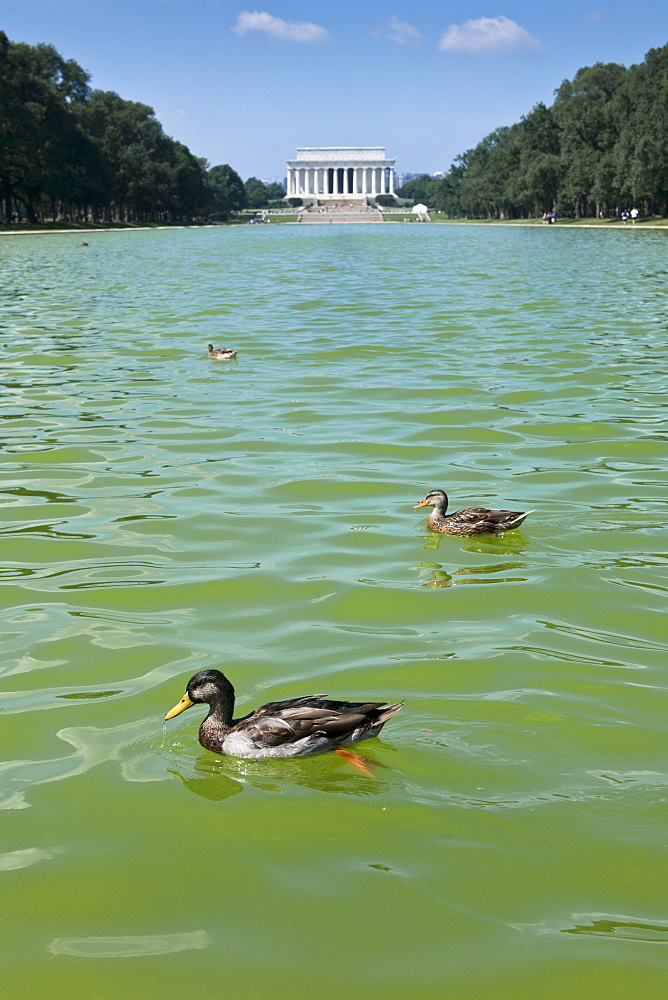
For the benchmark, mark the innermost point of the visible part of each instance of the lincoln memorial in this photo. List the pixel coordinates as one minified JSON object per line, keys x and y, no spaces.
{"x":336,"y":173}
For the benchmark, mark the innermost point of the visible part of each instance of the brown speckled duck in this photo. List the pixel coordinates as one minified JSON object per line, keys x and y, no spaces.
{"x":220,"y":353}
{"x":472,"y":520}
{"x":292,"y":728}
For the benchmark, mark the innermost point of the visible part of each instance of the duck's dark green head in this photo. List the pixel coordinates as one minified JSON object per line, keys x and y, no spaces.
{"x":208,"y":687}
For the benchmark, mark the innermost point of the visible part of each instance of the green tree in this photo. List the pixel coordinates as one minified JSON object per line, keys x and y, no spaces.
{"x":191,"y":194}
{"x":275,"y":192}
{"x":256,"y":193}
{"x":137,"y":160}
{"x":445,"y":197}
{"x":420,"y":189}
{"x":38,"y":90}
{"x":227,"y":189}
{"x":87,"y":154}
{"x":641,"y":167}
{"x":485,"y":187}
{"x":585,"y":110}
{"x":536,"y":183}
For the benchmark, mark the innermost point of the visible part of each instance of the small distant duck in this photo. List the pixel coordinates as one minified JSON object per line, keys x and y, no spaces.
{"x":472,"y":520}
{"x":292,"y":728}
{"x":221,"y":353}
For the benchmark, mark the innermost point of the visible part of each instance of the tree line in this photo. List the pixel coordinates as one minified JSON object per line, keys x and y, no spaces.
{"x":70,"y":152}
{"x":601,"y":147}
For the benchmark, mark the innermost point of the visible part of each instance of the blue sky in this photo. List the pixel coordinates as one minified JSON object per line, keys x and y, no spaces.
{"x":246,"y":83}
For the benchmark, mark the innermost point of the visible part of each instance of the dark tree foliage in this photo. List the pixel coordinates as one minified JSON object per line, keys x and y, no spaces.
{"x":72,"y":153}
{"x":275,"y":192}
{"x":259,"y":194}
{"x":38,"y":93}
{"x":601,"y":147}
{"x":256,"y":193}
{"x":420,"y":189}
{"x":228,"y":191}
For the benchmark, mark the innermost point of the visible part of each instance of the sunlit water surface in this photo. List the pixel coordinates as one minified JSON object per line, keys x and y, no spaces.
{"x":164,"y":513}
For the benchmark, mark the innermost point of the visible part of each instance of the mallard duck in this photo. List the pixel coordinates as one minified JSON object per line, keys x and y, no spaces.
{"x":291,"y":728}
{"x":472,"y":521}
{"x":220,"y":353}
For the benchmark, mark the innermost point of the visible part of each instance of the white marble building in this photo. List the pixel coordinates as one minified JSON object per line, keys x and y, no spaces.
{"x":340,"y":173}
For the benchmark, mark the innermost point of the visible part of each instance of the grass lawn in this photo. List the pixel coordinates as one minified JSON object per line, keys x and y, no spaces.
{"x":82,"y":227}
{"x":643,"y":222}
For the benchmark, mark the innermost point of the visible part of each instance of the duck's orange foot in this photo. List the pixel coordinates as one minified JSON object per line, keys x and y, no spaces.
{"x":361,"y":763}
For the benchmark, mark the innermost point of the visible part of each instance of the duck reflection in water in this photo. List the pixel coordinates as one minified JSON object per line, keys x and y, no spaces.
{"x":511,"y":544}
{"x":502,"y":571}
{"x":218,"y":780}
{"x":440,"y":577}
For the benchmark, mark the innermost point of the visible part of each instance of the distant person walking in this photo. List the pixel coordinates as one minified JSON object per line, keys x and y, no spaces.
{"x":634,"y":215}
{"x":625,"y":216}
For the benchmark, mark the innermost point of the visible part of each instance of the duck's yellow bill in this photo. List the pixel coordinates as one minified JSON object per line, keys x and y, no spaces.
{"x":181,"y":707}
{"x":423,"y":504}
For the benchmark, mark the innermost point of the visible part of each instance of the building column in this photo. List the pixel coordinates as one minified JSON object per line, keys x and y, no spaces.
{"x":364,"y":180}
{"x":391,"y":180}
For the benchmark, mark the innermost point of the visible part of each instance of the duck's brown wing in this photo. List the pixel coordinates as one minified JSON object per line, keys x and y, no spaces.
{"x":483,"y":515}
{"x":472,"y":514}
{"x":289,"y":721}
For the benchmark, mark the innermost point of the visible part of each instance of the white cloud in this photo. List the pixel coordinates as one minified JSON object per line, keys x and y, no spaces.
{"x":284,"y":31}
{"x":595,"y":16}
{"x":398,"y":31}
{"x":487,"y":36}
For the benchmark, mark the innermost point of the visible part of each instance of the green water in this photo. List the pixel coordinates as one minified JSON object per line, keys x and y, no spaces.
{"x":164,"y":513}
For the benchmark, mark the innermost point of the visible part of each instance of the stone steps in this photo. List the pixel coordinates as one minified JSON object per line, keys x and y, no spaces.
{"x":339,"y":214}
